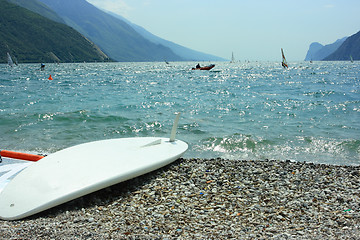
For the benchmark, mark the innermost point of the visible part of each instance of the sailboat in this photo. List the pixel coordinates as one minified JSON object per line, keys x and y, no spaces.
{"x":283,"y":63}
{"x":10,"y":61}
{"x":232,"y":57}
{"x":16,"y":61}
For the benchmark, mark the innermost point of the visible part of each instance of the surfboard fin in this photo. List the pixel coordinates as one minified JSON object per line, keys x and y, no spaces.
{"x":173,"y":131}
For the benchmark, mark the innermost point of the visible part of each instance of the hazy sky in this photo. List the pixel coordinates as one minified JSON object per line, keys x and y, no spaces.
{"x":252,"y":29}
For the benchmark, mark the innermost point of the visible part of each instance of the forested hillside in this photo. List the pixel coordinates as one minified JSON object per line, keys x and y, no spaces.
{"x":33,"y":38}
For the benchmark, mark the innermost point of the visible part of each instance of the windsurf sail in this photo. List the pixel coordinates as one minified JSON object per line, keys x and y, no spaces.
{"x":351,"y":59}
{"x":10,"y":61}
{"x":283,"y":63}
{"x":16,"y":61}
{"x":232,"y":57}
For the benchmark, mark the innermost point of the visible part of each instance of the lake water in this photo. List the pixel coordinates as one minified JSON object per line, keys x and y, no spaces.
{"x":258,"y":110}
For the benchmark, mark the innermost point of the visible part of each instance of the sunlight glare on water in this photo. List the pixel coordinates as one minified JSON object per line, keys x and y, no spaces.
{"x":257,"y":110}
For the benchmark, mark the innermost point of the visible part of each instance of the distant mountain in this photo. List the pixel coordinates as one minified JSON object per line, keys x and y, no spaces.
{"x":313,"y":49}
{"x":351,"y":47}
{"x":33,"y":38}
{"x":115,"y":37}
{"x":185,"y":53}
{"x":38,"y":7}
{"x":318,"y":52}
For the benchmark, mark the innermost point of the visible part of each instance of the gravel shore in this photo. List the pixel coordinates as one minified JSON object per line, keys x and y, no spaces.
{"x":211,"y":199}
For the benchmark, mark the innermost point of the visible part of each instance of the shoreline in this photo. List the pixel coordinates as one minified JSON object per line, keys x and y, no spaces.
{"x":210,"y":199}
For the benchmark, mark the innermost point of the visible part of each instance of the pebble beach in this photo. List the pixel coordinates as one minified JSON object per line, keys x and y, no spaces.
{"x":211,"y":199}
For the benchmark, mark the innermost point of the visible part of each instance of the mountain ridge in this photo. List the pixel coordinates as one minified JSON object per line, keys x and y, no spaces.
{"x":39,"y":8}
{"x":116,"y":38}
{"x":120,"y":39}
{"x":349,"y":49}
{"x":184,"y":52}
{"x":33,"y":38}
{"x":317,"y":51}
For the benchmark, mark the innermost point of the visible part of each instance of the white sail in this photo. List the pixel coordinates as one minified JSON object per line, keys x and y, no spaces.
{"x":283,"y":63}
{"x":232,"y":57}
{"x":10,"y":61}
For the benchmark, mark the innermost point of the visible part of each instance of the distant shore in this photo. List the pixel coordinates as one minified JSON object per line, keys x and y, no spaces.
{"x":211,"y":199}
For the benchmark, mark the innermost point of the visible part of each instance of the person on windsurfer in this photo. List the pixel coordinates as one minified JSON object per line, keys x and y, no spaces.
{"x":42,"y":66}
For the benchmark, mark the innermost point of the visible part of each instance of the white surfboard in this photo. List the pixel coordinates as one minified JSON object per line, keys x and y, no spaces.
{"x":82,"y":169}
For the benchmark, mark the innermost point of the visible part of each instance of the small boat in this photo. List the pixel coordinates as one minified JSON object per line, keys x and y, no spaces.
{"x":283,"y":63}
{"x":204,"y":68}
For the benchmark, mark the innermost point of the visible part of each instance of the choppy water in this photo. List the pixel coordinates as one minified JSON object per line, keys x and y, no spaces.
{"x":310,"y":112}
